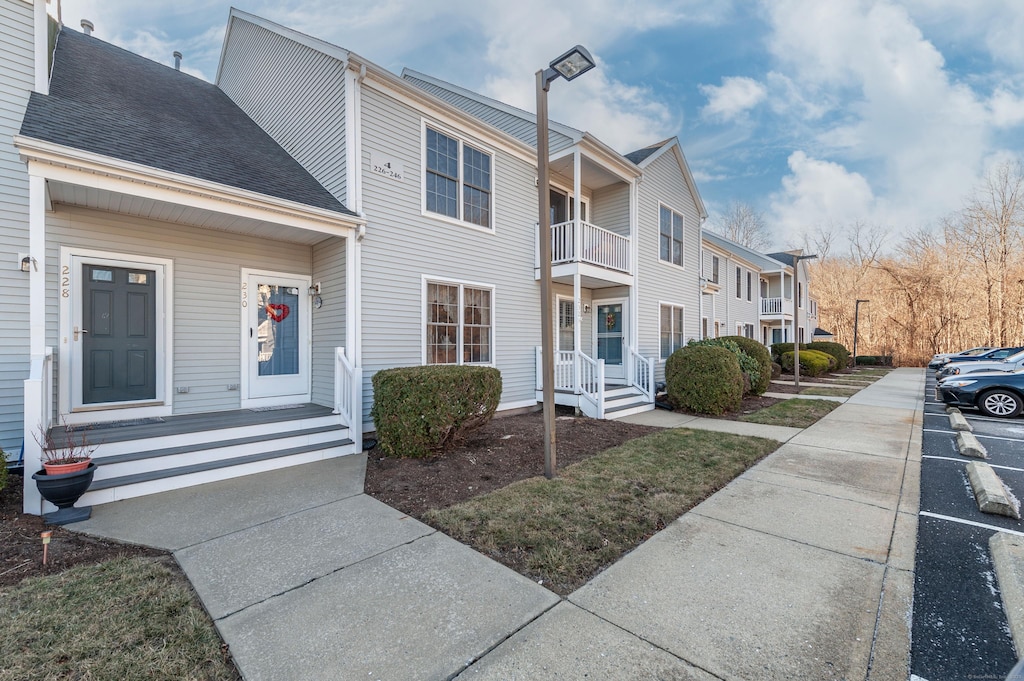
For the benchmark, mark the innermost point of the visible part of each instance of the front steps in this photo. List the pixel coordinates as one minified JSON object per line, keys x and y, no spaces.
{"x":187,"y":452}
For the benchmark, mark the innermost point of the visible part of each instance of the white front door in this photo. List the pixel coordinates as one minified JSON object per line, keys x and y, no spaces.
{"x":276,"y":332}
{"x":610,"y":336}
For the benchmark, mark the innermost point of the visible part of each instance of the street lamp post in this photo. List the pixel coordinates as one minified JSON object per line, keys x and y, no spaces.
{"x":796,"y":316}
{"x":573,"y":63}
{"x":856,"y":319}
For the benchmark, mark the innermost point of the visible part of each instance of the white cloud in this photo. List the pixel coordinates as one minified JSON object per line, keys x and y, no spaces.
{"x":734,"y":97}
{"x":819,"y":192}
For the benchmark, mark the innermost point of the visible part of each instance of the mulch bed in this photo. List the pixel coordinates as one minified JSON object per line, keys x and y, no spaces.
{"x":21,"y":548}
{"x":505,"y":450}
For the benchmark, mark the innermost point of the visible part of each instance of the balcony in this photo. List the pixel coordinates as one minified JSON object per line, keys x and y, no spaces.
{"x":776,"y":307}
{"x":602,"y":257}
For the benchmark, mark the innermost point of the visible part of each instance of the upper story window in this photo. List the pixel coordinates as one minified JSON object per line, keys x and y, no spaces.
{"x":750,"y":286}
{"x":458,"y":179}
{"x":671,"y":236}
{"x":800,"y":294}
{"x":739,"y":283}
{"x":714,"y":269}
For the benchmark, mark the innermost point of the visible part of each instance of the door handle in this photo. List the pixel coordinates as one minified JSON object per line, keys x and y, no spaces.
{"x":76,"y":332}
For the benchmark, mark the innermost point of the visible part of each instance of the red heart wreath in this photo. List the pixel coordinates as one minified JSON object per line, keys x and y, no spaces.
{"x":278,"y":312}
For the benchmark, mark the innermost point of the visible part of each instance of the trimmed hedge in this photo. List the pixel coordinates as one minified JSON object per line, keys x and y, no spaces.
{"x":760,"y":354}
{"x":865,"y":360}
{"x":776,"y":369}
{"x":812,"y":362}
{"x":420,"y":411}
{"x":779,"y":349}
{"x":750,"y":367}
{"x":837,"y":350}
{"x":704,"y":379}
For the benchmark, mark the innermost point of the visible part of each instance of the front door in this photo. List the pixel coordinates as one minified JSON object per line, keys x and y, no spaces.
{"x":610,"y":332}
{"x":118,"y":334}
{"x":277,"y":336}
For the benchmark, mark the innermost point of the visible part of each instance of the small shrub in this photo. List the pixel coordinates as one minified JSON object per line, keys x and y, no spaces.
{"x":812,"y":362}
{"x":420,"y":411}
{"x":760,"y":354}
{"x":779,"y":349}
{"x":837,"y":350}
{"x":3,"y":470}
{"x":866,"y":360}
{"x":704,"y":379}
{"x":750,"y":367}
{"x":776,"y":369}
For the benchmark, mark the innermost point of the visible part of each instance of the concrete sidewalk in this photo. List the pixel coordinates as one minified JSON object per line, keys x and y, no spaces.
{"x":780,"y":575}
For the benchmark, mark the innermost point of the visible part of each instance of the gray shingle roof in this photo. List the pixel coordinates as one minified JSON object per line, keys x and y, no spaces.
{"x":112,"y":102}
{"x":639,"y":155}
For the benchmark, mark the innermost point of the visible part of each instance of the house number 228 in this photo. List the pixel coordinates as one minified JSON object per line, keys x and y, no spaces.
{"x":65,"y":281}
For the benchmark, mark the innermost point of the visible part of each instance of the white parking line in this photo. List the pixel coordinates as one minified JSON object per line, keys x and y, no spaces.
{"x":989,"y":437}
{"x":969,"y":522}
{"x":950,"y":458}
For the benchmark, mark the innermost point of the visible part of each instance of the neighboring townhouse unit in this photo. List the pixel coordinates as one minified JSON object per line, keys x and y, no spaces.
{"x":732,"y":288}
{"x":777,"y":305}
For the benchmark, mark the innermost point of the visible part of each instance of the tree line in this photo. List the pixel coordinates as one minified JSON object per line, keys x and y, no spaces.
{"x":958,"y":285}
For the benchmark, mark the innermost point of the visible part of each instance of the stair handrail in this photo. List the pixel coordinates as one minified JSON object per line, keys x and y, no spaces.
{"x":641,"y":373}
{"x":348,"y":395}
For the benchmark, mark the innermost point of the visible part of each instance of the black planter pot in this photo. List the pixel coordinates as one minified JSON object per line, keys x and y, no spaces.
{"x":63,"y":491}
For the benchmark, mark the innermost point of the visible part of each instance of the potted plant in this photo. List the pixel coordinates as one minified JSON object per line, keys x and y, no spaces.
{"x":66,"y":474}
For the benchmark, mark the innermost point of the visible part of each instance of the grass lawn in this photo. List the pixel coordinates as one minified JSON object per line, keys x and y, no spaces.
{"x":831,"y":391}
{"x":128,"y":618}
{"x":796,"y":413}
{"x":561,"y":532}
{"x":877,"y":372}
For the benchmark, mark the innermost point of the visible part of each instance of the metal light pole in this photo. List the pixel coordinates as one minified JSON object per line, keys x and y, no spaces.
{"x":796,"y":316}
{"x":573,"y":63}
{"x":856,"y":319}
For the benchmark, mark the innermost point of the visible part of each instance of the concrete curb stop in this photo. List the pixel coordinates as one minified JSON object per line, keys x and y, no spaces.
{"x":969,"y":446}
{"x":1008,"y":557}
{"x":990,"y":492}
{"x":952,"y":410}
{"x":958,"y":422}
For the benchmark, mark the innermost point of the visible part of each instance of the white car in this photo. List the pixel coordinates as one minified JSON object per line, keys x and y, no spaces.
{"x":944,"y":357}
{"x":1011,"y":363}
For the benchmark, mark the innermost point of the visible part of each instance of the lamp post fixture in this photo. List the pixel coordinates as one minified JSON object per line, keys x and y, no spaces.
{"x":796,"y":316}
{"x":856,"y":319}
{"x":572,"y":64}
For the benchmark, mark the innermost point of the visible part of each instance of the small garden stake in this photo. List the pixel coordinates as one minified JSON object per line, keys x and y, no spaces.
{"x":46,"y":543}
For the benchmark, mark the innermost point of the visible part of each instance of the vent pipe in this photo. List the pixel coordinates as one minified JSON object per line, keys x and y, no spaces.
{"x":87,"y":26}
{"x":177,"y":60}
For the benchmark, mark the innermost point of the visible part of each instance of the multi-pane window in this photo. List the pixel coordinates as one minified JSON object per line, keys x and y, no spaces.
{"x":714,"y":269}
{"x":566,"y":325}
{"x":748,"y":330}
{"x":445,"y":182}
{"x":459,"y":323}
{"x":671,"y":236}
{"x":739,"y":283}
{"x":671,"y":329}
{"x":750,"y":287}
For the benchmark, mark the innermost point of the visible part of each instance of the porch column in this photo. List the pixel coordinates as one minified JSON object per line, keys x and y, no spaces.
{"x":577,"y":322}
{"x":36,"y":391}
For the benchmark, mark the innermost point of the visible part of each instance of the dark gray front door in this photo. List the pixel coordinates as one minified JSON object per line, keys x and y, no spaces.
{"x":118,"y":334}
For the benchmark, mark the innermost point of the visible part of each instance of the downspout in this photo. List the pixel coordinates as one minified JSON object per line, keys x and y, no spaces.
{"x":700,"y":280}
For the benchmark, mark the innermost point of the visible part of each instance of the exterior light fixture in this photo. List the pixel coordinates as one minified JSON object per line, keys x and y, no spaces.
{"x":572,"y":64}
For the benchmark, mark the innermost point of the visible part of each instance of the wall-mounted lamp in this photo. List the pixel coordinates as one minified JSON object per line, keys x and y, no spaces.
{"x":314,"y":293}
{"x":28,"y":263}
{"x":586,"y":308}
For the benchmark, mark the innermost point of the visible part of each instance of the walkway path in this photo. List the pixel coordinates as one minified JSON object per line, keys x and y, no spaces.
{"x":780,"y":575}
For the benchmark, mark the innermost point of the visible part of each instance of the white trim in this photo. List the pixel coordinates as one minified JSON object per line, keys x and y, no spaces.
{"x":426,"y":279}
{"x":463,"y":140}
{"x":673,"y":306}
{"x":558,"y":314}
{"x":40,"y":44}
{"x":69,"y":350}
{"x":506,"y":406}
{"x":305,"y":355}
{"x":682,"y":241}
{"x":65,"y":164}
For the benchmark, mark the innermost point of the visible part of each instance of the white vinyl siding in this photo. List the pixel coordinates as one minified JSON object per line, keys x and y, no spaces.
{"x":207,"y":280}
{"x":610,"y":208}
{"x":329,"y":270}
{"x":403,"y":246}
{"x":17,"y":79}
{"x":295,"y":93}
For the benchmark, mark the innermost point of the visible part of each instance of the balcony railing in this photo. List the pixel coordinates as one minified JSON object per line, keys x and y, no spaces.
{"x":776,"y":306}
{"x":596,"y":246}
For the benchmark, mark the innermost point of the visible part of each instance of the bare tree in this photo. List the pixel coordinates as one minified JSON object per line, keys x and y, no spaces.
{"x":744,"y":225}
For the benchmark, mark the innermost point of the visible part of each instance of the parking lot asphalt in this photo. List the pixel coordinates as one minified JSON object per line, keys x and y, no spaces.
{"x":959,"y":627}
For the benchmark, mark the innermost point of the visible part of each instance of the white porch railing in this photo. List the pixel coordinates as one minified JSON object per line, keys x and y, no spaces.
{"x":776,"y":305}
{"x":597,"y":245}
{"x":641,"y":373}
{"x":591,"y":385}
{"x":348,"y":395}
{"x":38,"y":389}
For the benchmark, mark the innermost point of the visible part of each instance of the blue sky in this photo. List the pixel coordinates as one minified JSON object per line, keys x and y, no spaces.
{"x":815,"y":113}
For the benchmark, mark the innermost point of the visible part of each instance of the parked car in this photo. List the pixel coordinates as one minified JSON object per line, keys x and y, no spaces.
{"x":965,"y":365}
{"x":943,"y":357}
{"x":996,"y":393}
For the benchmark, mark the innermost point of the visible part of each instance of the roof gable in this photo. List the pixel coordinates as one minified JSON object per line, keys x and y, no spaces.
{"x":109,"y":101}
{"x":649,"y":155}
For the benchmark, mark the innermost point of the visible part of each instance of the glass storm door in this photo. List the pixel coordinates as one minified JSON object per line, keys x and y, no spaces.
{"x":610,"y":325}
{"x":278,"y":351}
{"x":118,"y":334}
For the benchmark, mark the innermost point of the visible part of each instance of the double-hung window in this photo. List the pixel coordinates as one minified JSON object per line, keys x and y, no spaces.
{"x":459,"y":320}
{"x":671,"y":329}
{"x":671,"y":236}
{"x":739,"y":283}
{"x":458,"y":179}
{"x":714,"y":269}
{"x":750,"y":286}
